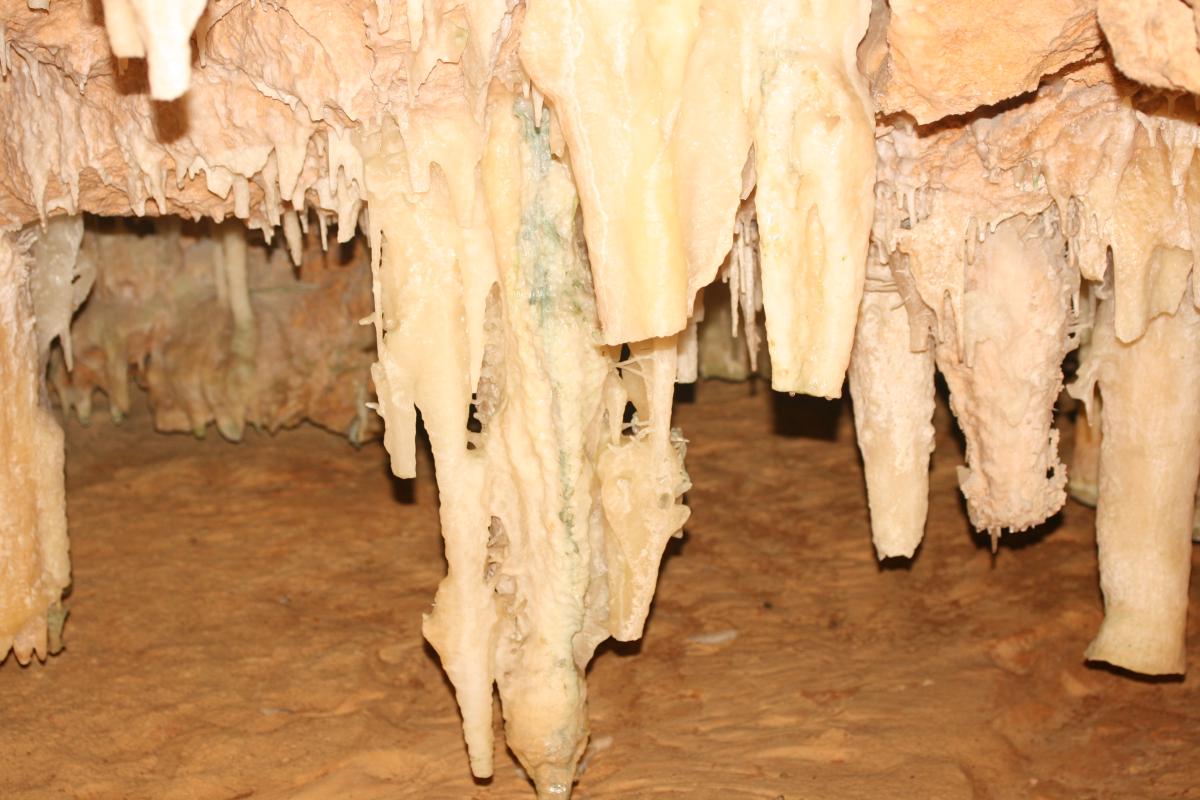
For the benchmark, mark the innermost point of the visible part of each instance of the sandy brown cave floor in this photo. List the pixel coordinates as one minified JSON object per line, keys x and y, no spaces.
{"x":246,"y":623}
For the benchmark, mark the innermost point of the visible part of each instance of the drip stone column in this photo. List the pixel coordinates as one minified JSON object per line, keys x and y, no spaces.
{"x":34,"y":567}
{"x":1149,"y":460}
{"x":893,"y":393}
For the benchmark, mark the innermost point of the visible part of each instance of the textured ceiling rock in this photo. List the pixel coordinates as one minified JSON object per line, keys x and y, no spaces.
{"x":274,"y":91}
{"x":950,"y":57}
{"x":1154,"y":41}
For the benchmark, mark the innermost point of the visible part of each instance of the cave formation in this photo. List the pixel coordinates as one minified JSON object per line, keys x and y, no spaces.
{"x":510,"y":229}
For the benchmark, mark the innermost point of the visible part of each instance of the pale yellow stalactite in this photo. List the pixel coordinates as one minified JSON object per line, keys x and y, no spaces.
{"x":813,"y":220}
{"x":614,"y":71}
{"x":1149,"y":461}
{"x":230,"y":405}
{"x":425,"y":268}
{"x":893,"y":393}
{"x":658,"y":143}
{"x":293,"y":230}
{"x":34,"y":566}
{"x":541,"y":414}
{"x":554,"y":517}
{"x":711,"y":141}
{"x":233,"y":252}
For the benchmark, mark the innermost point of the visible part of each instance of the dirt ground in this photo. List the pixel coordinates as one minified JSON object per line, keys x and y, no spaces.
{"x":245,"y":623}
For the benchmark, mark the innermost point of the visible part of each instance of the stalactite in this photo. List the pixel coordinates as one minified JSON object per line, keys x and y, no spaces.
{"x":159,"y":30}
{"x":616,"y":73}
{"x":893,"y":393}
{"x":542,"y":429}
{"x":554,"y":516}
{"x":813,"y":222}
{"x":1149,"y":462}
{"x":1005,"y":374}
{"x":659,"y":155}
{"x":34,"y":568}
{"x":432,"y":275}
{"x":60,"y":282}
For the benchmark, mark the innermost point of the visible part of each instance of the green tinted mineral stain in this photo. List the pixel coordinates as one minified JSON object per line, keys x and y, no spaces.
{"x":559,"y":289}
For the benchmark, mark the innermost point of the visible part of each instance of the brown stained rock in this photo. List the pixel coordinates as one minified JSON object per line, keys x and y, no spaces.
{"x":1155,"y":42}
{"x":951,"y":57}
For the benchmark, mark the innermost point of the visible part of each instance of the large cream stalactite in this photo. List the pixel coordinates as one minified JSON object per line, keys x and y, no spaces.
{"x":580,"y":508}
{"x":541,"y":410}
{"x":34,"y":565}
{"x":1005,"y":373}
{"x":615,"y":74}
{"x":431,"y":271}
{"x":893,"y":392}
{"x":1149,"y":461}
{"x":554,"y":514}
{"x":660,"y":104}
{"x":814,"y":221}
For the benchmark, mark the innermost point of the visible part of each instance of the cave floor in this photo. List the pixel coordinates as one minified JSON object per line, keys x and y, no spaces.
{"x":245,"y":623}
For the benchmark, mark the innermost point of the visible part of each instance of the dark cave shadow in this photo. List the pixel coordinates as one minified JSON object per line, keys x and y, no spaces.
{"x":1121,"y":672}
{"x":942,"y":397}
{"x":1008,"y":539}
{"x":170,"y":119}
{"x":896,"y":563}
{"x":687,"y":394}
{"x":404,"y":490}
{"x":805,"y":417}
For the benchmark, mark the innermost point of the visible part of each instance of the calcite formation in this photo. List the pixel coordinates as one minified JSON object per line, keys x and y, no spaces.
{"x":207,"y":322}
{"x":546,"y":214}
